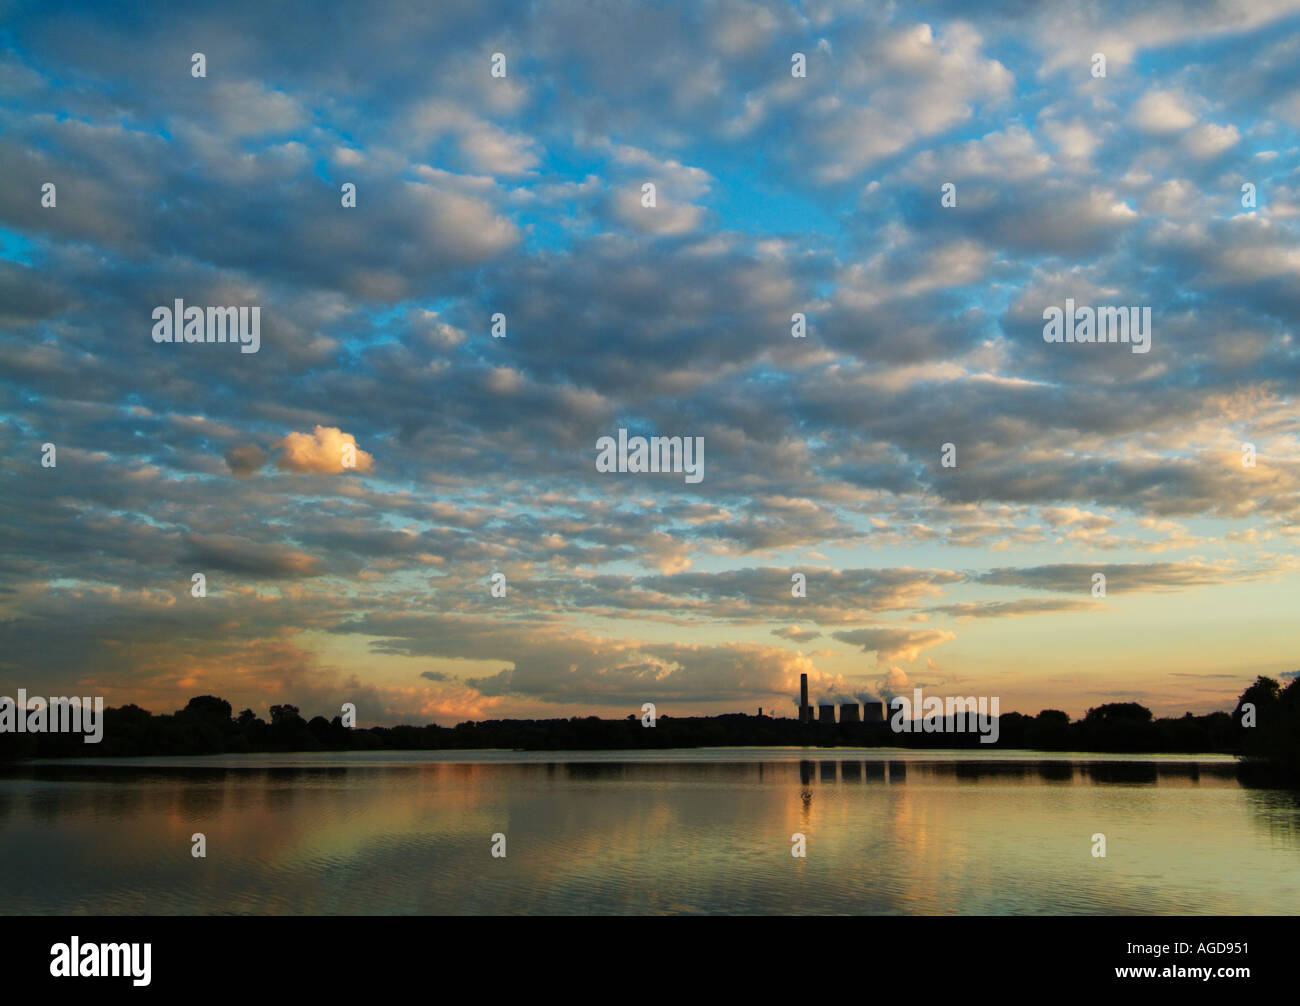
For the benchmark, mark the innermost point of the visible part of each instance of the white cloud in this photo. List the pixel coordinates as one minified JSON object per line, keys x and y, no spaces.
{"x":1162,"y":113}
{"x":320,"y":452}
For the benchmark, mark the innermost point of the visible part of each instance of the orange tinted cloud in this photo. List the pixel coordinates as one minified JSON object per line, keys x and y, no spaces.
{"x":322,"y":452}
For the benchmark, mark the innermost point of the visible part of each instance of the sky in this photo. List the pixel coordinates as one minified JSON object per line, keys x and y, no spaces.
{"x":1164,"y":176}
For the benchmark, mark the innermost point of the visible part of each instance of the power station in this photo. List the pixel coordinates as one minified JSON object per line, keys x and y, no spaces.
{"x":870,"y":712}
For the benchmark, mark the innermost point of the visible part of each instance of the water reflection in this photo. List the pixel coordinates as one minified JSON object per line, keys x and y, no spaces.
{"x":886,"y":834}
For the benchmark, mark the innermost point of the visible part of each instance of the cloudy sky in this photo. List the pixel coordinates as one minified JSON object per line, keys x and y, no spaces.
{"x":522,"y":195}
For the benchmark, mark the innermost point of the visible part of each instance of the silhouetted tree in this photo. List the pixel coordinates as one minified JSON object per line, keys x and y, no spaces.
{"x":1112,"y":712}
{"x":1118,"y":726}
{"x":1050,"y":729}
{"x":205,"y":725}
{"x":209,"y":708}
{"x":1274,"y":740}
{"x":289,"y":730}
{"x":284,"y":715}
{"x":1263,"y":694}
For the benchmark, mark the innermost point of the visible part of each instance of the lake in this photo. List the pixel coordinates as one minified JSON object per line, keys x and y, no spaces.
{"x":688,"y":831}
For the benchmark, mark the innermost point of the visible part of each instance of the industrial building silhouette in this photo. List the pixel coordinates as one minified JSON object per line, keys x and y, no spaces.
{"x":870,"y":711}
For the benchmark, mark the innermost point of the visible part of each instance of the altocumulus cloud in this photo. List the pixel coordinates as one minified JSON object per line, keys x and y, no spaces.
{"x":522,"y":196}
{"x":323,"y":451}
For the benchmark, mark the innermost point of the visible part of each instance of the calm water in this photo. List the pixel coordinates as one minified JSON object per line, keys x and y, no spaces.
{"x":628,"y":832}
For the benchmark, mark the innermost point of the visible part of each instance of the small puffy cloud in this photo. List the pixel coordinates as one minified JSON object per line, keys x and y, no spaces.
{"x":1162,"y":113}
{"x":248,"y":108}
{"x":244,"y":461}
{"x":321,"y":452}
{"x":666,"y":217}
{"x":499,"y":152}
{"x":1210,"y":140}
{"x":1012,"y":154}
{"x":504,"y":380}
{"x":429,"y":327}
{"x":1074,"y":140}
{"x":458,"y":225}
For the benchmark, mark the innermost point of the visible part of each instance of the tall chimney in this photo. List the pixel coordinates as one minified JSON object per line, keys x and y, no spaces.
{"x":805,"y":712}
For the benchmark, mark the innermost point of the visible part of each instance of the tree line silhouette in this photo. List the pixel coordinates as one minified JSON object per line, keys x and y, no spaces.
{"x":1264,"y":728}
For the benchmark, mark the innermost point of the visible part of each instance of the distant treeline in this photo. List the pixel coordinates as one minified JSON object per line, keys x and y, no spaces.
{"x":206,"y":726}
